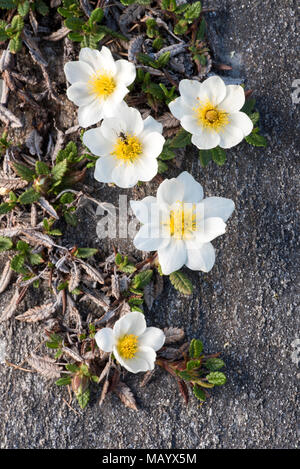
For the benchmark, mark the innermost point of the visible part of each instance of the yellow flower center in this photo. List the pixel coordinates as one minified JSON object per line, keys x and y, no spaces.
{"x":210,"y":117}
{"x":127,"y":346}
{"x":127,"y":148}
{"x":102,"y":85}
{"x":183,"y":220}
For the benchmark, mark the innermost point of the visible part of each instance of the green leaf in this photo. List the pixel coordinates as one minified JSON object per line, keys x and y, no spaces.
{"x":256,"y":139}
{"x":135,"y":301}
{"x":72,"y":367}
{"x":35,"y":259}
{"x":218,"y":155}
{"x":96,"y":16}
{"x":6,"y":207}
{"x":24,"y":172}
{"x":23,"y":8}
{"x":17,"y":263}
{"x":3,"y":37}
{"x":7,"y":4}
{"x":201,"y":30}
{"x":162,"y":167}
{"x":67,"y":198}
{"x":63,"y":381}
{"x":196,"y":348}
{"x":29,"y":196}
{"x":83,"y":253}
{"x":118,"y":259}
{"x":181,"y":27}
{"x":41,"y":168}
{"x":204,"y":157}
{"x":83,"y":398}
{"x":158,"y":43}
{"x":217,"y":378}
{"x":5,"y":243}
{"x":214,"y":364}
{"x":75,"y":24}
{"x":71,"y":218}
{"x":167,"y":153}
{"x":249,"y":106}
{"x":163,"y":59}
{"x":192,"y":364}
{"x":22,"y":246}
{"x":193,"y":11}
{"x":142,"y":279}
{"x":181,"y":139}
{"x":41,"y":7}
{"x":254,"y":117}
{"x":59,"y":170}
{"x":180,"y":281}
{"x":17,"y":24}
{"x":199,"y":393}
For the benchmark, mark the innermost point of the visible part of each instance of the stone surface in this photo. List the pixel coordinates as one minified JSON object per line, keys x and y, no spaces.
{"x":247,"y":307}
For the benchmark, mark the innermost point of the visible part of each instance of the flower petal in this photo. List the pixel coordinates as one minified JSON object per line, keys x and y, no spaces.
{"x":230,"y":136}
{"x":200,"y":256}
{"x":152,"y":337}
{"x":144,"y":360}
{"x":131,"y":323}
{"x":173,"y":256}
{"x":125,"y":72}
{"x":90,"y":57}
{"x":191,"y":124}
{"x":104,"y":168}
{"x":106,"y":61}
{"x":151,"y":238}
{"x":213,"y":89}
{"x":133,"y":120}
{"x":146,"y":168}
{"x":77,"y":71}
{"x":105,"y":339}
{"x":111,"y":103}
{"x":234,"y":99}
{"x":143,"y":208}
{"x":152,"y":125}
{"x":179,"y":109}
{"x":193,"y":191}
{"x":97,"y":143}
{"x":124,"y":175}
{"x":189,"y":91}
{"x":206,"y":139}
{"x":79,"y":94}
{"x":152,"y":144}
{"x":90,"y":113}
{"x":242,"y":121}
{"x":170,"y":191}
{"x":217,"y":207}
{"x":209,"y":229}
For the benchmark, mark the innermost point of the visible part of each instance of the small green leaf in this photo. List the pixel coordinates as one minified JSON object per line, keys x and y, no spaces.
{"x":196,"y":348}
{"x":199,"y":393}
{"x":96,"y":16}
{"x":249,"y":106}
{"x":23,"y":8}
{"x":181,"y":27}
{"x":24,"y":172}
{"x":63,"y":381}
{"x":83,"y":398}
{"x":142,"y":279}
{"x":192,"y":364}
{"x":67,"y":198}
{"x":118,"y":259}
{"x":5,"y":207}
{"x":163,"y":59}
{"x":59,"y":170}
{"x":162,"y":166}
{"x":181,"y":139}
{"x":41,"y":168}
{"x":72,"y":367}
{"x":217,"y":378}
{"x":5,"y":243}
{"x":204,"y":157}
{"x":22,"y":246}
{"x":180,"y":281}
{"x":17,"y":24}
{"x":256,"y":139}
{"x":17,"y":263}
{"x":41,"y":7}
{"x":29,"y":196}
{"x":218,"y":155}
{"x":214,"y":364}
{"x":35,"y":259}
{"x":85,"y":252}
{"x":193,"y":11}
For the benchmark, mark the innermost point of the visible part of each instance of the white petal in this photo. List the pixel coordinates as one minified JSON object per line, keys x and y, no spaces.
{"x":131,"y":323}
{"x":151,"y":238}
{"x":206,"y":140}
{"x":125,"y":72}
{"x":213,"y":89}
{"x":191,"y":124}
{"x":124,"y":175}
{"x":152,"y":144}
{"x":200,"y":256}
{"x":152,"y":337}
{"x":133,"y":121}
{"x":146,"y":168}
{"x":79,"y":94}
{"x":230,"y":136}
{"x":234,"y":99}
{"x":170,"y":191}
{"x":97,"y":143}
{"x":217,"y":207}
{"x":152,"y":125}
{"x":78,"y":71}
{"x":173,"y":256}
{"x":193,"y":191}
{"x":90,"y":114}
{"x":242,"y":121}
{"x":111,"y":103}
{"x":189,"y":91}
{"x":104,"y":168}
{"x":143,"y":208}
{"x":179,"y":109}
{"x":111,"y":128}
{"x":105,"y":339}
{"x":144,"y":360}
{"x":209,"y":229}
{"x":90,"y":57}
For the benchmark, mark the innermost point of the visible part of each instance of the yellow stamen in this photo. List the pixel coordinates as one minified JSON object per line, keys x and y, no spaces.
{"x":102,"y":85}
{"x":182,"y":221}
{"x":127,"y":346}
{"x":127,"y":148}
{"x":210,"y":116}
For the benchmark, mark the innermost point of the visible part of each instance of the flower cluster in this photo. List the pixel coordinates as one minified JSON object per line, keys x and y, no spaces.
{"x":178,"y":223}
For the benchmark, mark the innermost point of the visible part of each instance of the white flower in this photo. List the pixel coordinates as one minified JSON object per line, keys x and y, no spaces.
{"x":179,"y":224}
{"x":98,"y":84}
{"x":133,"y":344}
{"x":210,"y":111}
{"x":128,"y":147}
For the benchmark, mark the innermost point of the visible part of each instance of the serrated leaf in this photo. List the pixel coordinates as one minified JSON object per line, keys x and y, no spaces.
{"x":83,"y":398}
{"x":181,"y":27}
{"x":85,"y":252}
{"x":41,"y":168}
{"x":125,"y":395}
{"x":193,"y":11}
{"x":204,"y":157}
{"x":182,"y":139}
{"x":96,"y":16}
{"x":256,"y":139}
{"x":5,"y":243}
{"x":29,"y":196}
{"x":199,"y":393}
{"x":217,"y":378}
{"x":7,"y":4}
{"x":249,"y":106}
{"x":163,"y":59}
{"x":17,"y":262}
{"x":23,"y":8}
{"x":35,"y":259}
{"x":24,"y":172}
{"x":162,"y":166}
{"x":142,"y":279}
{"x":218,"y":155}
{"x":196,"y":348}
{"x":5,"y":208}
{"x":192,"y":364}
{"x":17,"y":24}
{"x":63,"y":381}
{"x":214,"y":364}
{"x":59,"y":170}
{"x":180,"y":281}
